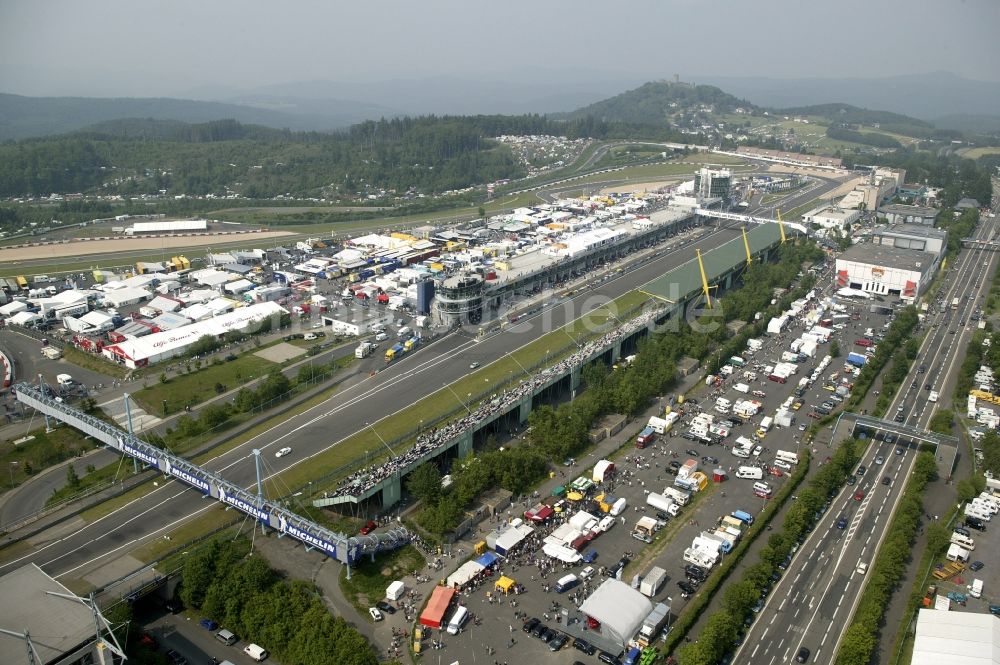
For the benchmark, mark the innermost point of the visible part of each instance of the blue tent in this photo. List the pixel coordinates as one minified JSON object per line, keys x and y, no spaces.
{"x":487,"y":559}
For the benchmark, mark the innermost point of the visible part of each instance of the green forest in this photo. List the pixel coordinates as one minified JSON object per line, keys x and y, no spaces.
{"x":133,"y":157}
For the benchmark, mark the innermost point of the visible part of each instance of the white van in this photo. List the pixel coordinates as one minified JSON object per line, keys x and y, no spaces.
{"x":751,"y":472}
{"x":458,"y":620}
{"x":976,"y":590}
{"x":617,"y":507}
{"x":379,"y":336}
{"x":256,"y":652}
{"x":963,"y":541}
{"x":764,"y":488}
{"x":566,"y":583}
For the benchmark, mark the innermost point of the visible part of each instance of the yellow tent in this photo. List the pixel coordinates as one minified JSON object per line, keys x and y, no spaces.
{"x":505,"y":584}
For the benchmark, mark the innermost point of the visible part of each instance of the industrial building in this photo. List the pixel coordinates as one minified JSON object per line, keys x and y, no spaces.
{"x":885,"y":270}
{"x":830,"y":217}
{"x":907,"y":214}
{"x":45,"y":622}
{"x":149,"y":349}
{"x":915,"y":237}
{"x":711,"y":184}
{"x":179,"y":226}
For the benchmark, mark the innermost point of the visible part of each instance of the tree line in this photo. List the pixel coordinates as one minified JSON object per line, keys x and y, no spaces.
{"x":430,"y":154}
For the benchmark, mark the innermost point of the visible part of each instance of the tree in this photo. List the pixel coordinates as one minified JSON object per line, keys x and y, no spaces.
{"x":72,"y":480}
{"x":425,"y":483}
{"x":835,"y":349}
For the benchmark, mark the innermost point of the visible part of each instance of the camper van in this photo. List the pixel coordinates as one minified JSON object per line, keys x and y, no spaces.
{"x":963,"y":541}
{"x":751,"y":472}
{"x":763,"y":490}
{"x":458,"y":620}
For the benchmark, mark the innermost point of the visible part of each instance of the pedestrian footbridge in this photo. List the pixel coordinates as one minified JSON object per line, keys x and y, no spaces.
{"x":343,"y":548}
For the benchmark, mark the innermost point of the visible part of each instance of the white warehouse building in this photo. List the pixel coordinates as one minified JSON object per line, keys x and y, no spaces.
{"x":885,"y":270}
{"x":832,"y":218}
{"x":150,"y":349}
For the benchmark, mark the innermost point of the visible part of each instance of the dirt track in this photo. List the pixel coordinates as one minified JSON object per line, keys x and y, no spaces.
{"x":94,"y":247}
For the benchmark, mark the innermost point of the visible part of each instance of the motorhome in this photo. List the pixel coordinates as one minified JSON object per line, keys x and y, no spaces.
{"x":786,"y":456}
{"x":751,"y":472}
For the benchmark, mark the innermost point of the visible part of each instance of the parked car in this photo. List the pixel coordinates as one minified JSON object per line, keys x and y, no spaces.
{"x":530,"y":624}
{"x":385,"y":607}
{"x":558,"y":642}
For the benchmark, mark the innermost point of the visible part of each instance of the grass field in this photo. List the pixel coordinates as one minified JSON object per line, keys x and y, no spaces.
{"x":795,"y":213}
{"x":976,"y":153}
{"x":199,"y":385}
{"x":199,"y":527}
{"x":370,"y":578}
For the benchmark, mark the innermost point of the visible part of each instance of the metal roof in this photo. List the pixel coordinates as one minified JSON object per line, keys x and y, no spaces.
{"x":685,"y":280}
{"x":46,"y":609}
{"x":956,"y":638}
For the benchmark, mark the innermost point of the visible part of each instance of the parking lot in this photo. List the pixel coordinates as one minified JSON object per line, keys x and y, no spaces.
{"x":982,"y":565}
{"x":496,"y":632}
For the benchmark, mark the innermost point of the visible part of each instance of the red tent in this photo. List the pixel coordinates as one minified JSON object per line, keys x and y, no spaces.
{"x":437,"y":607}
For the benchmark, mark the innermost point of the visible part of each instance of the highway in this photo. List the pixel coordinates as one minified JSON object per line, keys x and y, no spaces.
{"x":812,"y":604}
{"x":79,"y":550}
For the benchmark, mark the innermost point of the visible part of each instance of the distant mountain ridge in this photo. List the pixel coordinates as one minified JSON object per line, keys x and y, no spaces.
{"x":925,"y":96}
{"x":25,"y":117}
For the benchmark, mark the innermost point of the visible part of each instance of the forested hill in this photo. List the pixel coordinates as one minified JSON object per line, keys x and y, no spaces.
{"x":653,"y":103}
{"x":428,"y":155}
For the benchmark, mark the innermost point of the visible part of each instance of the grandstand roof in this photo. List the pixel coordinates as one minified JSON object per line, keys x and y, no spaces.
{"x":685,"y":280}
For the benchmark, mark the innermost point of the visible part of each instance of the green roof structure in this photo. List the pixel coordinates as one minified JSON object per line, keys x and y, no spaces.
{"x":684,"y":281}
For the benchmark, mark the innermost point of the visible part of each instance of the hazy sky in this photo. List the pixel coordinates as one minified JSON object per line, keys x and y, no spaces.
{"x":177,"y":47}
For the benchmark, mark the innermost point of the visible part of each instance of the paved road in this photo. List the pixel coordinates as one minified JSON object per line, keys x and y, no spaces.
{"x":88,"y":548}
{"x":812,"y":604}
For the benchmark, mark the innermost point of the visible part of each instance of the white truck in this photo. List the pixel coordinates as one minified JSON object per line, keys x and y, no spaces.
{"x":664,"y":503}
{"x":364,"y":349}
{"x":652,"y":625}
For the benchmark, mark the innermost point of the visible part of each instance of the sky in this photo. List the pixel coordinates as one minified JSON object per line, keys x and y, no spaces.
{"x":205,"y":48}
